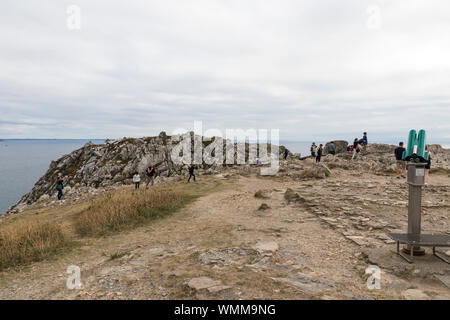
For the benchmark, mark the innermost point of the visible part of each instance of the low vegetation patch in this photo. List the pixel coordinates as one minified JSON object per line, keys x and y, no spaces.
{"x":22,"y":243}
{"x":119,"y":210}
{"x":263,"y":206}
{"x":117,"y":255}
{"x":260,"y":194}
{"x":440,"y":171}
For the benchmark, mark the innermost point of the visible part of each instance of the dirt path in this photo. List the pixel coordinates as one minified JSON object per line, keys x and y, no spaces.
{"x":222,"y":246}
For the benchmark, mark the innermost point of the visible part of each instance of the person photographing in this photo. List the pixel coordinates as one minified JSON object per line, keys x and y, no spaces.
{"x":150,"y":173}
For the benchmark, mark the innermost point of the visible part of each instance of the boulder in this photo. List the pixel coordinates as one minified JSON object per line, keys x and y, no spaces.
{"x":261,"y":194}
{"x":203,"y":283}
{"x":415,"y":294}
{"x":319,"y":171}
{"x":44,"y":197}
{"x":266,"y":246}
{"x":341,"y":146}
{"x":308,"y":284}
{"x":291,"y":196}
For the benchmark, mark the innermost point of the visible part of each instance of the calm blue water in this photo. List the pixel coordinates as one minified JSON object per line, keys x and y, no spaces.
{"x":23,"y":162}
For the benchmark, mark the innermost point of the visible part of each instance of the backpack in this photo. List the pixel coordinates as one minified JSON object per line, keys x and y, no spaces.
{"x":59,"y":186}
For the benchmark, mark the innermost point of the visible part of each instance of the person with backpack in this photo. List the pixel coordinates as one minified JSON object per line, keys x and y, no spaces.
{"x":286,"y":153}
{"x":136,"y":180}
{"x":60,"y":186}
{"x":355,"y":148}
{"x":313,"y":150}
{"x":191,"y":172}
{"x":319,"y":152}
{"x":400,"y":164}
{"x":364,"y":141}
{"x":150,"y":173}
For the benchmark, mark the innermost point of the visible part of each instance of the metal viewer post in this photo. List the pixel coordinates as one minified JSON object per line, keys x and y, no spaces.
{"x":416,"y":179}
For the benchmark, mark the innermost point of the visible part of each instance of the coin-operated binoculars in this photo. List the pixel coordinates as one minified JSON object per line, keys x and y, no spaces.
{"x":417,"y":157}
{"x":416,"y":147}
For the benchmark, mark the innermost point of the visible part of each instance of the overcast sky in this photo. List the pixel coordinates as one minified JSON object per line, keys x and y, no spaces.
{"x":314,"y":69}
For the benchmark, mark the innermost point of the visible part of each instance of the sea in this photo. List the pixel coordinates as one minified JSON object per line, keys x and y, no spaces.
{"x":24,"y":161}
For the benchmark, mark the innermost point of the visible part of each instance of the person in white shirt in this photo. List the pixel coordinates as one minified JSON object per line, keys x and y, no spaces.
{"x":136,"y":180}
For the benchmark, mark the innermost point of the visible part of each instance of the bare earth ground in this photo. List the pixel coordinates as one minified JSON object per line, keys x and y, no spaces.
{"x":317,"y":247}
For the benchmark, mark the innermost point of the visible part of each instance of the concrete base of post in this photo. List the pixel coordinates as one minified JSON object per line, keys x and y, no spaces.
{"x":417,"y":251}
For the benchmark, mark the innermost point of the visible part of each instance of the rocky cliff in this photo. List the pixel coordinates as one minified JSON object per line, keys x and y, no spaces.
{"x":379,"y":158}
{"x":100,"y":166}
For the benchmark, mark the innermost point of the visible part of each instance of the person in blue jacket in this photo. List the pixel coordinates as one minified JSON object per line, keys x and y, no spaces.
{"x":364,"y":141}
{"x":60,"y":186}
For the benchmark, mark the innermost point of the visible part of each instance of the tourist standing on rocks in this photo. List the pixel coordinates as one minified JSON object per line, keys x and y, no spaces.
{"x":428,"y":167}
{"x":319,"y":152}
{"x":60,"y":186}
{"x":364,"y":141}
{"x":286,"y":153}
{"x":313,"y":150}
{"x":150,"y":172}
{"x":401,"y":165}
{"x":355,"y":147}
{"x":136,"y":180}
{"x":191,"y":172}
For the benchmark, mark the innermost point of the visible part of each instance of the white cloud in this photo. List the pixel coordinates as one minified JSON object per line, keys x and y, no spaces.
{"x":137,"y":67}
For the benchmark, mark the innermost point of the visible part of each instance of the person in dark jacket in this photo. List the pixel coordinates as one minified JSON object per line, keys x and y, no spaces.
{"x":364,"y":141}
{"x":191,"y":172}
{"x":150,"y":173}
{"x":400,"y":164}
{"x":428,"y":167}
{"x":319,"y":152}
{"x":60,"y":186}
{"x":286,"y":153}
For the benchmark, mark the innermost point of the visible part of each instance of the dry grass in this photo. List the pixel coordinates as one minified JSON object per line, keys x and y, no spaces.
{"x":442,"y":171}
{"x":120,"y":210}
{"x":22,"y":243}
